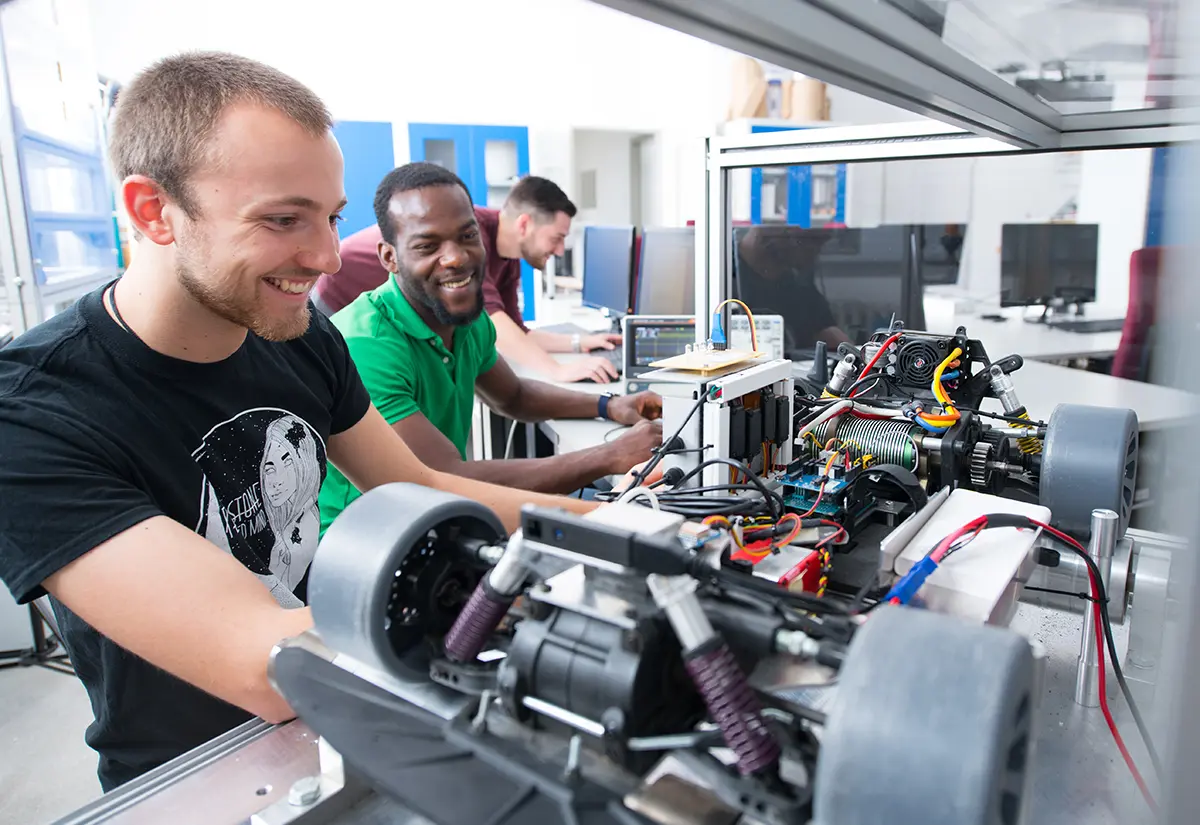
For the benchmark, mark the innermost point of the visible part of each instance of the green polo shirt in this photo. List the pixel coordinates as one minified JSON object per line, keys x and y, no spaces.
{"x":407,"y":370}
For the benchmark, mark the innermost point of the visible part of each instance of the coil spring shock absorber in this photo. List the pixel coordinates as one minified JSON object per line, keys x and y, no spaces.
{"x":1002,"y":385}
{"x":716,"y":675}
{"x":488,"y":604}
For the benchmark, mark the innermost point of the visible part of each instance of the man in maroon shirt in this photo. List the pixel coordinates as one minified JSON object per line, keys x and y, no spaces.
{"x":532,"y":225}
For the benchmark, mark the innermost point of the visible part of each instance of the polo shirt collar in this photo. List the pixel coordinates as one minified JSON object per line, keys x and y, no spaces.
{"x":404,"y":316}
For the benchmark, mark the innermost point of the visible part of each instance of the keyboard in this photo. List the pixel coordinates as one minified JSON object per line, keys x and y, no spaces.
{"x":616,"y":357}
{"x":1086,"y":325}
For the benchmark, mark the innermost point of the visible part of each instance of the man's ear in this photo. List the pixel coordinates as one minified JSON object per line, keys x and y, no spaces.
{"x":524,"y":224}
{"x":151,"y":212}
{"x":388,"y":257}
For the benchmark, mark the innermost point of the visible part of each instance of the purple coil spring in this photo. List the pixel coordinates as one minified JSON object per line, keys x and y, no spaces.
{"x":478,"y":619}
{"x":736,"y":709}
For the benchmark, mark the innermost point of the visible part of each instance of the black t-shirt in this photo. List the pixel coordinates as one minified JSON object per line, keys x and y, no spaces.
{"x":99,"y":432}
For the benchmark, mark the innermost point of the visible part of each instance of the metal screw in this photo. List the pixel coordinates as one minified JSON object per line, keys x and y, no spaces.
{"x":305,"y":791}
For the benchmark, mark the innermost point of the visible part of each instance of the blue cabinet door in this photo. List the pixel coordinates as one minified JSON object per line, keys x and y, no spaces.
{"x":369,"y":154}
{"x":796,"y":185}
{"x":447,"y":145}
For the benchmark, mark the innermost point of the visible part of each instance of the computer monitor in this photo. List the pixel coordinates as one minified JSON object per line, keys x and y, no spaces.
{"x":1048,"y":263}
{"x":608,"y":268}
{"x":666,"y":272}
{"x":856,"y":280}
{"x":939,"y":252}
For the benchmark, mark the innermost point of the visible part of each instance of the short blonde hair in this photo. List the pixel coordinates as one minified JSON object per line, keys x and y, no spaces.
{"x":165,"y":118}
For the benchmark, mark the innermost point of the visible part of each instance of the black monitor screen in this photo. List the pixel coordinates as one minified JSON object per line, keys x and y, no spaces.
{"x":853,"y":279}
{"x":1043,"y":262}
{"x":666,"y":280}
{"x":939,"y":251}
{"x":607,"y":267}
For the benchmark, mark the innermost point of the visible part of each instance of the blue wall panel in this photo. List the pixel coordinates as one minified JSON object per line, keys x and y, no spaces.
{"x":369,"y":154}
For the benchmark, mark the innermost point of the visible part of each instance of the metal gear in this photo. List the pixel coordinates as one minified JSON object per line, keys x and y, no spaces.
{"x":980,"y":473}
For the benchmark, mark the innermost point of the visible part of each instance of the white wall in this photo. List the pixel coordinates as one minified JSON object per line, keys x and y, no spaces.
{"x":518,"y":62}
{"x":609,"y":155}
{"x":1115,"y":193}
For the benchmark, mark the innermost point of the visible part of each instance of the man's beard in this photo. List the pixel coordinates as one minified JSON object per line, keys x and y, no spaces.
{"x":417,"y":288}
{"x":530,"y":256}
{"x":235,"y":302}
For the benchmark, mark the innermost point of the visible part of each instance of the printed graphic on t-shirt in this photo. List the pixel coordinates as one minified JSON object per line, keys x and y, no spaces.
{"x":262,"y":473}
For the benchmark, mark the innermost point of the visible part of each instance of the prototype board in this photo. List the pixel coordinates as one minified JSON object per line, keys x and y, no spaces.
{"x":707,"y":360}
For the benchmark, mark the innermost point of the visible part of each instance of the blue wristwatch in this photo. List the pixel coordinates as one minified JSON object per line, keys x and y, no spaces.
{"x":603,"y":410}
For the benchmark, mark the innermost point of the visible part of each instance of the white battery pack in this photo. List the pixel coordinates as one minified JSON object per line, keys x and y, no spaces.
{"x":981,"y":581}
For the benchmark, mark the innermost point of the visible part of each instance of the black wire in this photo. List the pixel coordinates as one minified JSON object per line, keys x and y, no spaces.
{"x":662,"y":449}
{"x":1041,"y":425}
{"x":1085,"y":596}
{"x":753,"y":583}
{"x":1114,"y":660}
{"x":770,"y":495}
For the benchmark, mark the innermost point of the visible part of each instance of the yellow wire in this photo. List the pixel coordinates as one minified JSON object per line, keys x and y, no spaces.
{"x":937,"y":378}
{"x":749,"y":314}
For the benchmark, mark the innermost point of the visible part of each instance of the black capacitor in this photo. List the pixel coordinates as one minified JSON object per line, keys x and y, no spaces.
{"x":737,"y":432}
{"x":754,"y":431}
{"x":783,"y":423}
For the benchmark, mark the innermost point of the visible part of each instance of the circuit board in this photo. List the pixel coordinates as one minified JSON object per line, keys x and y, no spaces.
{"x":814,"y":483}
{"x":706,"y":360}
{"x":803,"y":504}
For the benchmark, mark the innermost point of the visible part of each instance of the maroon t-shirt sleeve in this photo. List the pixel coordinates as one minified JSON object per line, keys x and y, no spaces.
{"x":500,"y":291}
{"x":361,"y":270}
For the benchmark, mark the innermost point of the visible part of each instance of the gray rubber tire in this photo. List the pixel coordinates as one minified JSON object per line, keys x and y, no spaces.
{"x":355,"y":579}
{"x":931,"y":724}
{"x":1089,"y":462}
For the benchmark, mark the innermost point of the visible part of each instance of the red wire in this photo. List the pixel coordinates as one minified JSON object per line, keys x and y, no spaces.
{"x":1101,"y":650}
{"x":872,"y":362}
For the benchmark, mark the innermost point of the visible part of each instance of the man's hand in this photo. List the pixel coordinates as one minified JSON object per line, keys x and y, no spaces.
{"x":630,"y":409}
{"x":627,"y":480}
{"x":635,"y":446}
{"x":594,"y":369}
{"x":600,"y":340}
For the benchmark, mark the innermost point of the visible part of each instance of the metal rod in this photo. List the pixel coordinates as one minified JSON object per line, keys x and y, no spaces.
{"x":573,"y":720}
{"x":1100,"y":548}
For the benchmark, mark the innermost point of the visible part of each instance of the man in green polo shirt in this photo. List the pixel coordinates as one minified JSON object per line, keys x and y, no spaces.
{"x":424,"y":348}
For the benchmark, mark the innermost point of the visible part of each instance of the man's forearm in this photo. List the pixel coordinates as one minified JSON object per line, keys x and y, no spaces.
{"x":504,"y":501}
{"x":539,"y":401}
{"x":515,"y":345}
{"x":559,"y":474}
{"x":551,"y":341}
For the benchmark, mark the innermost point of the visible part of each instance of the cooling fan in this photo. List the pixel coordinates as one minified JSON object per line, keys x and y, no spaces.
{"x":916,"y":359}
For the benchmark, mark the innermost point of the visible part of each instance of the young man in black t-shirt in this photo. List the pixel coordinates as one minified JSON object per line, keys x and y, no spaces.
{"x":163,"y":442}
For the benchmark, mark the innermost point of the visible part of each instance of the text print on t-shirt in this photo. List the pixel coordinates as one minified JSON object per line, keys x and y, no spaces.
{"x":263,"y":470}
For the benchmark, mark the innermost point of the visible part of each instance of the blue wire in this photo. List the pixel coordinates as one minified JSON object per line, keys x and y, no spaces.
{"x":925,"y":425}
{"x":950,"y":376}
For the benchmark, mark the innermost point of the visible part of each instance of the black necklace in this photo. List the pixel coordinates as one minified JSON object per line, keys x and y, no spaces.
{"x":111,"y":295}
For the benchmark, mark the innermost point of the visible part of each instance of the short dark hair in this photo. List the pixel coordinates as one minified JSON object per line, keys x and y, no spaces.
{"x":539,"y":197}
{"x":166,"y":116}
{"x":410,"y":176}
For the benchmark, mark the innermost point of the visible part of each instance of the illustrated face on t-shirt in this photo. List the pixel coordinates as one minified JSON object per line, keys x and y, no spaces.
{"x":263,"y":472}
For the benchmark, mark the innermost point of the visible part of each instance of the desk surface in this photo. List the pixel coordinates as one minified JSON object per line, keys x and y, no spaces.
{"x":1036,"y":341}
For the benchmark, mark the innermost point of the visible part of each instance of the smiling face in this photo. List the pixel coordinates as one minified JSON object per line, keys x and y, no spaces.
{"x":263,"y":222}
{"x":540,"y":240}
{"x":438,"y":255}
